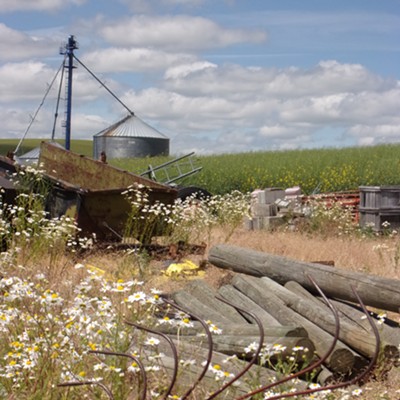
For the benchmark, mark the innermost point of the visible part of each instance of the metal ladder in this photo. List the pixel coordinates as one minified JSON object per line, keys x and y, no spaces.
{"x":173,"y":170}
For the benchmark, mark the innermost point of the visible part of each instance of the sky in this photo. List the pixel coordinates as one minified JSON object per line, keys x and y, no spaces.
{"x":214,"y":76}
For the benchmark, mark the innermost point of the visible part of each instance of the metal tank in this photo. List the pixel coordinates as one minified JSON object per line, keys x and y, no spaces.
{"x":130,"y":137}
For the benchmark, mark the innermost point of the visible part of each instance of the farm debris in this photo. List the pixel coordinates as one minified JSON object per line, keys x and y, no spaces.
{"x":286,"y":289}
{"x":95,"y":194}
{"x":271,"y":208}
{"x":185,"y":268}
{"x":209,"y":371}
{"x":380,"y":207}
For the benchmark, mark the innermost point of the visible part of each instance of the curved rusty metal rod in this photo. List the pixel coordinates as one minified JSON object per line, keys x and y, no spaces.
{"x":352,"y":381}
{"x":311,"y":366}
{"x":139,"y":363}
{"x":78,"y":383}
{"x":210,"y":347}
{"x":174,"y":353}
{"x":256,"y":354}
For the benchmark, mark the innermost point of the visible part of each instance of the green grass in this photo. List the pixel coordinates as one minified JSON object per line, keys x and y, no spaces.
{"x":84,"y":147}
{"x":315,"y":171}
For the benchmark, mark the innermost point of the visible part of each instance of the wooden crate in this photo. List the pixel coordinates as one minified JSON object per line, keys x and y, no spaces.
{"x":379,"y":197}
{"x":377,"y":219}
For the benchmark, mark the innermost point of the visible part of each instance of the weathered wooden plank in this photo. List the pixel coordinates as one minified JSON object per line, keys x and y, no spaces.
{"x":193,"y":305}
{"x":299,"y":290}
{"x":189,"y":374}
{"x":351,"y":314}
{"x":191,"y":357}
{"x":199,"y":289}
{"x":236,"y":329}
{"x":341,"y":359}
{"x":361,"y":341}
{"x":278,"y":348}
{"x":375,"y":291}
{"x":388,"y":333}
{"x":236,"y":297}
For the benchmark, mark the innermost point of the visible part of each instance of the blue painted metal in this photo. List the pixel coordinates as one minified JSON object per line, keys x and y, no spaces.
{"x":69,"y":51}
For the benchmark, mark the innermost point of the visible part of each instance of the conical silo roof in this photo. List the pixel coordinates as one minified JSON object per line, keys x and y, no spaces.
{"x":32,"y":156}
{"x":132,"y":126}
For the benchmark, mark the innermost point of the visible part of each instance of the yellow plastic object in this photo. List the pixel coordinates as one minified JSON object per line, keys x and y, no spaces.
{"x":185,"y":268}
{"x":95,"y":270}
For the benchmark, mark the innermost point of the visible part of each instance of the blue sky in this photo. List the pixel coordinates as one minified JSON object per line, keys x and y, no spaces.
{"x":215,"y":76}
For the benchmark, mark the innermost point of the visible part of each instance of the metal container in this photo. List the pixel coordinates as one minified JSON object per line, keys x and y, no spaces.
{"x":130,"y":137}
{"x":129,"y":147}
{"x":91,"y":192}
{"x":8,"y":192}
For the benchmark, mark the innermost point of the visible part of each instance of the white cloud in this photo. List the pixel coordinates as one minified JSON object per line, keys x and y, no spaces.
{"x":375,"y":134}
{"x":16,"y":45}
{"x":176,"y":33}
{"x":27,"y":81}
{"x":237,"y":104}
{"x":133,"y":60}
{"x":148,"y":6}
{"x":328,"y":77}
{"x":84,"y":126}
{"x":183,"y":70}
{"x":221,"y":108}
{"x":36,"y":5}
{"x":24,"y":81}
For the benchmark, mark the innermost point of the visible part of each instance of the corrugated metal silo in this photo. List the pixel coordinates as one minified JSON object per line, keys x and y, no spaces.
{"x":130,"y":137}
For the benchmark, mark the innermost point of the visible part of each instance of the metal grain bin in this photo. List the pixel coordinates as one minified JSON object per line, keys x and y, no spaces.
{"x":130,"y":137}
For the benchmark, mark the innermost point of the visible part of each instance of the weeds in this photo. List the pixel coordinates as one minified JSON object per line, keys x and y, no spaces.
{"x":61,"y":324}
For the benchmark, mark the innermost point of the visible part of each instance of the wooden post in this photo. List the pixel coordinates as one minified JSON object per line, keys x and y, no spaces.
{"x":229,"y":293}
{"x":341,"y":359}
{"x":375,"y":291}
{"x":204,"y":293}
{"x":361,"y":341}
{"x":236,"y":330}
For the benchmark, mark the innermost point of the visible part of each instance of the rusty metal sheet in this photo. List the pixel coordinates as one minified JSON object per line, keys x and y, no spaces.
{"x":90,"y":192}
{"x":90,"y":174}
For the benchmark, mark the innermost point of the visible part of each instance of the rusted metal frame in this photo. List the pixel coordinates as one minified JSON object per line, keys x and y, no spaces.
{"x":357,"y":378}
{"x":174,"y":353}
{"x":256,"y":354}
{"x":108,"y":391}
{"x":312,"y":366}
{"x":210,"y":347}
{"x":137,"y":361}
{"x":82,"y":383}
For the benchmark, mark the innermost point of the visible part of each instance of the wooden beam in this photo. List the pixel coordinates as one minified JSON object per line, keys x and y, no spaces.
{"x":375,"y":291}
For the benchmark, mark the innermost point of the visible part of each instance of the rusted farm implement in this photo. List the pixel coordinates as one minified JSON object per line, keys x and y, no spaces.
{"x":142,"y":391}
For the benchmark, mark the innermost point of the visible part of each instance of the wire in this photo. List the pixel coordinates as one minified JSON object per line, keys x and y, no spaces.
{"x":38,"y":109}
{"x":102,"y":84}
{"x":58,"y":102}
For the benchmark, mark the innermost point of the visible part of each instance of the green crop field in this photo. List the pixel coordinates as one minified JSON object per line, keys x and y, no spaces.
{"x":315,"y":171}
